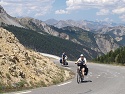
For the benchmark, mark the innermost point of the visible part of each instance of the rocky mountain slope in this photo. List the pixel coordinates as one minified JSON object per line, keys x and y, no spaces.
{"x":7,"y":19}
{"x":37,"y":25}
{"x":77,"y":35}
{"x":47,"y":43}
{"x":97,"y":42}
{"x":106,"y":43}
{"x":20,"y":67}
{"x":41,"y":27}
{"x":115,"y":30}
{"x":117,"y":33}
{"x":74,"y":34}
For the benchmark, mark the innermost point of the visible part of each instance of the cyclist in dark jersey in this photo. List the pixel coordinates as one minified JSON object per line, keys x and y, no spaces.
{"x":64,"y":57}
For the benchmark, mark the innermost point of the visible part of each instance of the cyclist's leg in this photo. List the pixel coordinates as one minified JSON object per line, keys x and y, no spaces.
{"x":83,"y":69}
{"x":62,"y":61}
{"x":81,"y":72}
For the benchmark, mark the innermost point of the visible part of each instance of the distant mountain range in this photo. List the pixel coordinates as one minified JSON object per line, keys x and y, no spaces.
{"x":86,"y":34}
{"x":84,"y":24}
{"x":115,"y":30}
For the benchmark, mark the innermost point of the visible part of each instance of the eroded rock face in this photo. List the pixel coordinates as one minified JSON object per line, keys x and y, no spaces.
{"x":105,"y":43}
{"x":18,"y":64}
{"x":7,"y":19}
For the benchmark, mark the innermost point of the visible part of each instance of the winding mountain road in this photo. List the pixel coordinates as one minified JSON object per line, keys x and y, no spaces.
{"x":101,"y":79}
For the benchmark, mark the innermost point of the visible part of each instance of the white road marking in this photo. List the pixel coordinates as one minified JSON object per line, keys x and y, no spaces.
{"x":23,"y":92}
{"x":65,"y":83}
{"x":68,"y":68}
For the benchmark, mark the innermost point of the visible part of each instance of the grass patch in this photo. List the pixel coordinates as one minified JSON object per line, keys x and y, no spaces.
{"x":21,"y":83}
{"x":43,"y":84}
{"x":8,"y":76}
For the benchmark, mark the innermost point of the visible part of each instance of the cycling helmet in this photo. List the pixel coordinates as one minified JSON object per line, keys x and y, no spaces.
{"x":81,"y":55}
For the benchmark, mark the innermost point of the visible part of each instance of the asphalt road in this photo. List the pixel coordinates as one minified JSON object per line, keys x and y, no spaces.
{"x":101,"y":79}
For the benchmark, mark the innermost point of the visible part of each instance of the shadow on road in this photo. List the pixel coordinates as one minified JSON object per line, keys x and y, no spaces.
{"x":86,"y":81}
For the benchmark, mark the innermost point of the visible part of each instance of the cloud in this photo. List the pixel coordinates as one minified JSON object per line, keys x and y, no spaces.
{"x":90,"y":3}
{"x":61,"y":12}
{"x":104,"y":6}
{"x":122,"y":18}
{"x":27,"y":7}
{"x":103,"y":12}
{"x":119,"y":10}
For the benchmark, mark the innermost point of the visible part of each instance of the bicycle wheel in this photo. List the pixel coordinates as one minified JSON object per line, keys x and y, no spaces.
{"x":78,"y":78}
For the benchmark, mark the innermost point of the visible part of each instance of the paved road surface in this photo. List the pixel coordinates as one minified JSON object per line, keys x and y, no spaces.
{"x":102,"y":79}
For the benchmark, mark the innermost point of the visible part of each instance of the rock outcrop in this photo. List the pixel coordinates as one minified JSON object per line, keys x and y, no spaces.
{"x":105,"y":43}
{"x":20,"y":67}
{"x":7,"y":19}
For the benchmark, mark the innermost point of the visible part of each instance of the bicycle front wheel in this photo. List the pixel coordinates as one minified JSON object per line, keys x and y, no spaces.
{"x":78,"y":78}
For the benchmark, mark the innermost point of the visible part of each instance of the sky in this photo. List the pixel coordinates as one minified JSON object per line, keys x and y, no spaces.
{"x":91,"y":10}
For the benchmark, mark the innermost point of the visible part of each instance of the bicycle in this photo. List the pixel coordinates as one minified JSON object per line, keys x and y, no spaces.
{"x":80,"y":77}
{"x":65,"y":62}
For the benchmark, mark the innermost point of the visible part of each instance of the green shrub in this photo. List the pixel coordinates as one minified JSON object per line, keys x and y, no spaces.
{"x":8,"y":76}
{"x":43,"y":83}
{"x":21,"y":83}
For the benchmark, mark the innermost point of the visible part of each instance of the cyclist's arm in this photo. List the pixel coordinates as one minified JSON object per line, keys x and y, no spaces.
{"x":85,"y":61}
{"x":77,"y":61}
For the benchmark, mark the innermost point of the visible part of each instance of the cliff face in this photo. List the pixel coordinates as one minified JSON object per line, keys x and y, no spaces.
{"x":7,"y":19}
{"x":40,"y":27}
{"x":19,"y":65}
{"x":106,"y":43}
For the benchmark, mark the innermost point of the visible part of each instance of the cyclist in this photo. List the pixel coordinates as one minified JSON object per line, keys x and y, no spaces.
{"x":81,"y":63}
{"x":64,"y":57}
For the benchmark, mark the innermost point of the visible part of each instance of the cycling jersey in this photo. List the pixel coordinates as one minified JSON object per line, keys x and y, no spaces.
{"x":82,"y":61}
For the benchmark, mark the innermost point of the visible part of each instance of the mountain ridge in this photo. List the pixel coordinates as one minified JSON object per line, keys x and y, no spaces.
{"x":84,"y":24}
{"x":80,"y":36}
{"x":7,"y":19}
